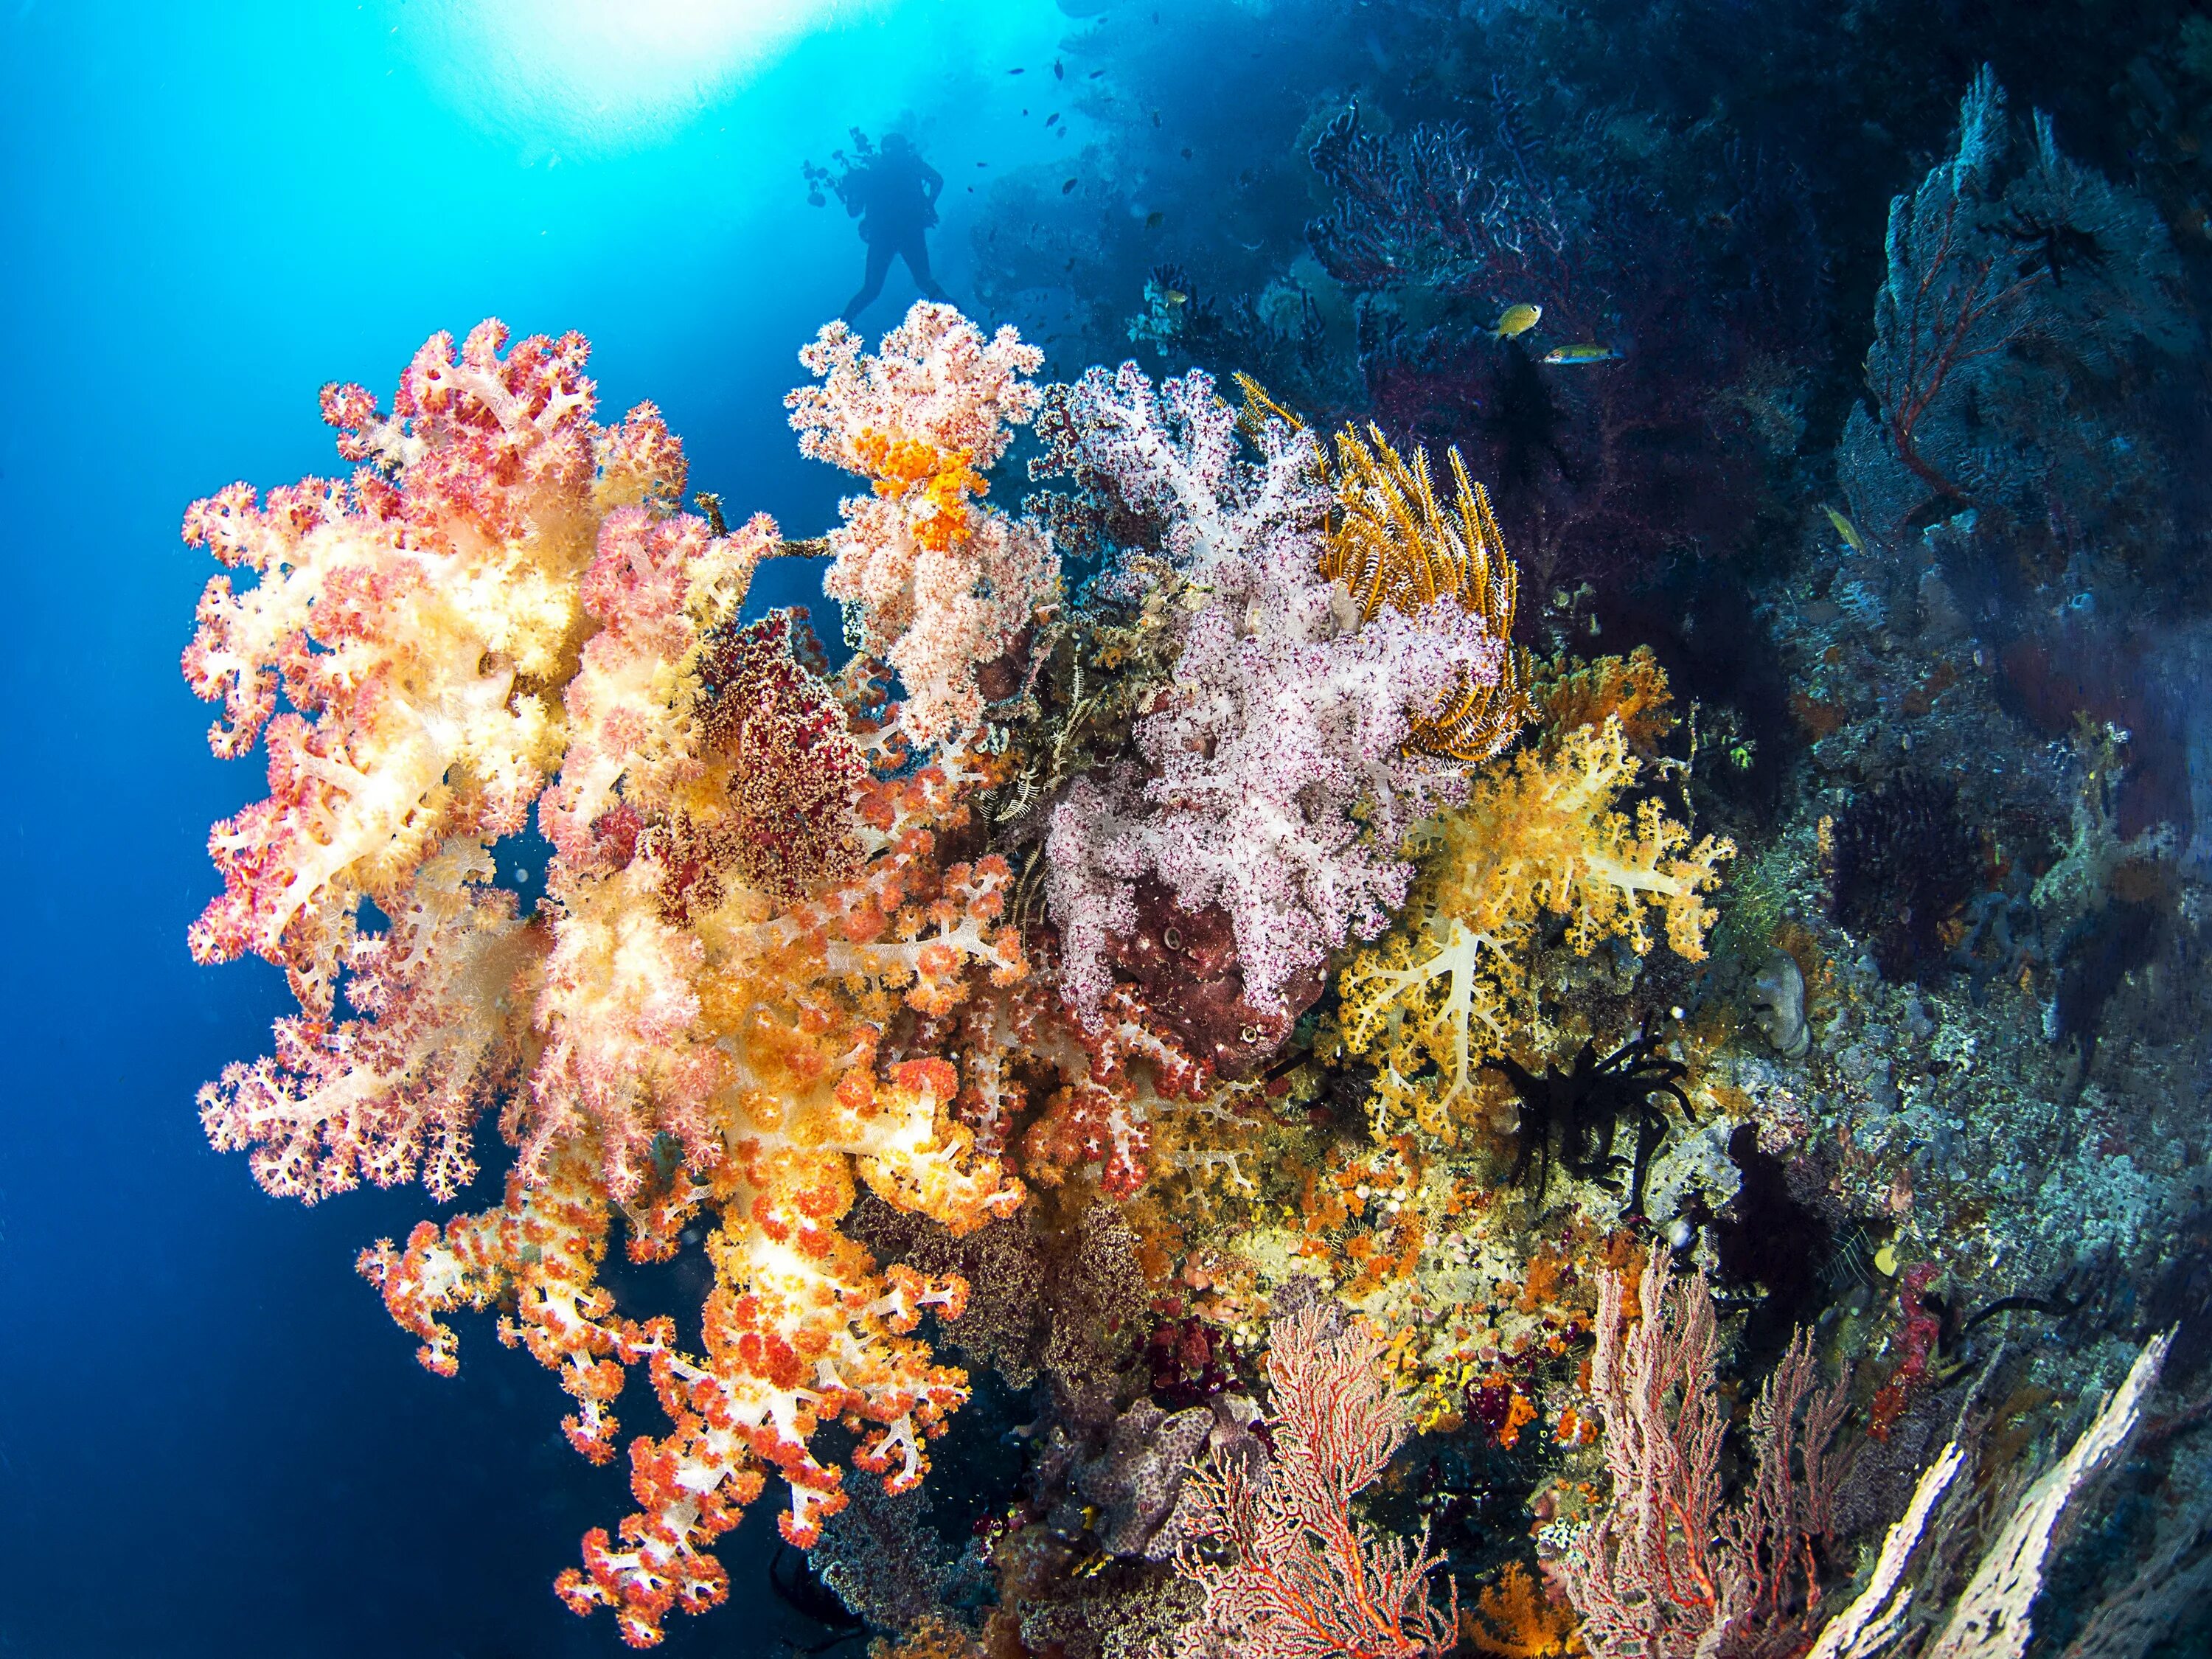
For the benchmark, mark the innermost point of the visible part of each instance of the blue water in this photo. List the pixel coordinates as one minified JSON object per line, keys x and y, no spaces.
{"x":213,"y":1441}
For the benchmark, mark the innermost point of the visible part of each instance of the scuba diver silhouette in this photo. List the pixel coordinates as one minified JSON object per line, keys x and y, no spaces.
{"x":893,"y":194}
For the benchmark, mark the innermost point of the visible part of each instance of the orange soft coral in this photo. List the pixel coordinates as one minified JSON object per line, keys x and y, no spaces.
{"x":1546,"y":836}
{"x":747,"y":892}
{"x":934,"y":581}
{"x":1512,"y":1620}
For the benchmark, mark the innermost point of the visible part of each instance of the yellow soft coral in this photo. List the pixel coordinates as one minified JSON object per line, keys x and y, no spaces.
{"x":1449,"y":987}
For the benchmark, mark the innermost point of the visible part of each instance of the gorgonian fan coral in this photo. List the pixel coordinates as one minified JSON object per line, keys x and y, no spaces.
{"x":2023,"y":291}
{"x":1669,"y":1569}
{"x":1268,"y":1535}
{"x":1627,"y":420}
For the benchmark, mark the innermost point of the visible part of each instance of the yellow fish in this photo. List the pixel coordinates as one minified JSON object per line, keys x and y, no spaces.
{"x":1846,"y":529}
{"x":1580,"y":354}
{"x":1516,"y":321}
{"x":1175,"y":297}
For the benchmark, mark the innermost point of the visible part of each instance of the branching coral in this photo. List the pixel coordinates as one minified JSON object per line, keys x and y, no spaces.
{"x":1668,"y":1569}
{"x":745,"y":892}
{"x":935,"y":582}
{"x":1450,"y":986}
{"x":1280,"y":777}
{"x":1270,"y":1538}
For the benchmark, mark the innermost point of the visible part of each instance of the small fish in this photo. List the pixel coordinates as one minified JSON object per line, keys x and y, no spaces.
{"x":1176,"y":296}
{"x":1186,"y":152}
{"x":1580,"y":354}
{"x":1058,"y":73}
{"x":1094,"y":75}
{"x":1016,"y":71}
{"x":1846,"y":529}
{"x":1052,"y":119}
{"x":1067,"y":187}
{"x":1517,"y":320}
{"x":1155,"y":219}
{"x":1156,"y":118}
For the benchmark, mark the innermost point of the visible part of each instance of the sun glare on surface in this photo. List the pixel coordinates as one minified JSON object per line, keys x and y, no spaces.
{"x":607,"y":75}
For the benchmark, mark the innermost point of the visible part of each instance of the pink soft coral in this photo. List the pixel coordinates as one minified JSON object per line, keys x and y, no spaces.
{"x":934,"y":582}
{"x":412,"y":628}
{"x":1280,"y":782}
{"x":507,"y":607}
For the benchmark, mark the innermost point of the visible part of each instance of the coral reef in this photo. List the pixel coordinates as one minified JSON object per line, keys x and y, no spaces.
{"x":1230,"y":951}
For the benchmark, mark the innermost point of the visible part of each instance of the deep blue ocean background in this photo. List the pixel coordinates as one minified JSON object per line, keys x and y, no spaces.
{"x":213,"y":1441}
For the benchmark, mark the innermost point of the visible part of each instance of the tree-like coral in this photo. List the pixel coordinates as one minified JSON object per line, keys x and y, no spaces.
{"x":1668,"y":1569}
{"x":1281,"y":774}
{"x":745,"y":892}
{"x":1546,"y":836}
{"x":1269,"y":1536}
{"x":936,"y":583}
{"x":414,"y":631}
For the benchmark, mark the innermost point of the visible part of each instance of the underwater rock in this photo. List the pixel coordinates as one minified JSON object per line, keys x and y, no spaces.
{"x":1193,"y":977}
{"x":1694,"y":1174}
{"x":1905,"y":864}
{"x":1778,"y":1000}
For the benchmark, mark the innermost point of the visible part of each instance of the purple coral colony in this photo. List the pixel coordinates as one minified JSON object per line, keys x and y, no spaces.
{"x":1509,"y":960}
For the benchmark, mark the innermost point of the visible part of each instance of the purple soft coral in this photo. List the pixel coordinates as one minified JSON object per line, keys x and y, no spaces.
{"x":1278,"y":782}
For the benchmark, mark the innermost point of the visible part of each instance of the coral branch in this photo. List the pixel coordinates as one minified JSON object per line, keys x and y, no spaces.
{"x":1286,"y":1571}
{"x":1667,"y":1568}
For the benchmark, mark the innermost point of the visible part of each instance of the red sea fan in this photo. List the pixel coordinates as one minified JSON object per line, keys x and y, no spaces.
{"x":1287,"y":1573}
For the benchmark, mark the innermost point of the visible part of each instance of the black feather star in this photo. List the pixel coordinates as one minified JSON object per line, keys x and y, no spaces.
{"x":1575,"y":1114}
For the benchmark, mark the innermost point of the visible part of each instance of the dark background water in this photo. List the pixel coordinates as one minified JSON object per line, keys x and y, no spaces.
{"x":212,"y":1438}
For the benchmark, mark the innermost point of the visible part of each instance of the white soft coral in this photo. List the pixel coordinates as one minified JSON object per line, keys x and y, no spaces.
{"x":1279,"y":785}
